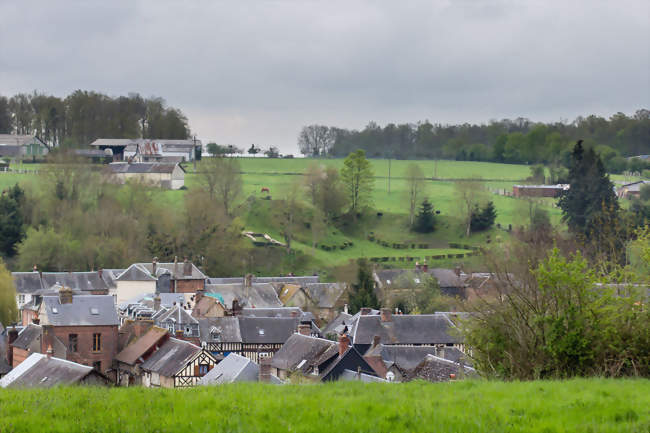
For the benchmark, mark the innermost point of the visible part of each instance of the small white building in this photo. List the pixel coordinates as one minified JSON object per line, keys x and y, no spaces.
{"x":163,"y":175}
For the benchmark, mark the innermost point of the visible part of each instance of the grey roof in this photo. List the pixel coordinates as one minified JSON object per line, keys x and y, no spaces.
{"x":27,"y":336}
{"x":445,"y":277}
{"x":302,"y":280}
{"x":408,"y":357}
{"x":299,"y":348}
{"x":221,"y":329}
{"x":325,"y":295}
{"x":136,"y":272}
{"x":84,"y":310}
{"x":40,"y":371}
{"x":27,"y":282}
{"x":233,"y":368}
{"x":175,"y":270}
{"x":141,"y":167}
{"x":278,"y":312}
{"x":171,"y":357}
{"x":266,"y":329}
{"x":132,"y":141}
{"x":32,"y":282}
{"x":258,"y":295}
{"x":177,"y":314}
{"x":19,"y":140}
{"x":10,"y":150}
{"x":405,"y":329}
{"x":436,"y":369}
{"x":341,"y":319}
{"x":349,"y":375}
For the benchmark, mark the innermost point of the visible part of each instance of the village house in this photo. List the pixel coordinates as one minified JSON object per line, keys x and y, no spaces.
{"x":137,"y":340}
{"x":325,"y":299}
{"x":22,"y":147}
{"x":46,"y":371}
{"x":437,"y":369}
{"x":246,"y":294}
{"x":393,"y":283}
{"x":149,"y":149}
{"x":176,"y":364}
{"x":236,"y":368}
{"x":632,"y":190}
{"x":178,"y":322}
{"x":80,"y":328}
{"x":158,"y":174}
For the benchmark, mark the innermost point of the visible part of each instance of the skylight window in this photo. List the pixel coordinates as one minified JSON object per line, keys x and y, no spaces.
{"x":55,"y":310}
{"x":301,"y":363}
{"x":260,"y":331}
{"x":94,"y":311}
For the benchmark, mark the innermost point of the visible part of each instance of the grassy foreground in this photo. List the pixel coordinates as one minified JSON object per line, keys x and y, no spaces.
{"x":583,"y":405}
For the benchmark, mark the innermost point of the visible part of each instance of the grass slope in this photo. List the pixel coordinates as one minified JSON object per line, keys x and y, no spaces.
{"x":581,"y":405}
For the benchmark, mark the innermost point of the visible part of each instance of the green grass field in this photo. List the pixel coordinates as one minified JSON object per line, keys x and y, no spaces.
{"x":581,"y":405}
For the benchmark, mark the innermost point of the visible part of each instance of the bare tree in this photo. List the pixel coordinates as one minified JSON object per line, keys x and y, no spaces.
{"x":314,"y":175}
{"x":415,"y":184}
{"x":470,"y":193}
{"x":221,"y":178}
{"x":315,"y":140}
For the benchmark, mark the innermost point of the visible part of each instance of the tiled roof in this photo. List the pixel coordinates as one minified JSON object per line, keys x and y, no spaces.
{"x":171,"y":357}
{"x":233,"y":368}
{"x":301,"y":350}
{"x":40,"y":371}
{"x":139,"y":347}
{"x":406,"y":329}
{"x":84,"y":310}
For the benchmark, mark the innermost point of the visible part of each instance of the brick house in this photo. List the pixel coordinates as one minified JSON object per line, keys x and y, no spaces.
{"x":82,"y":329}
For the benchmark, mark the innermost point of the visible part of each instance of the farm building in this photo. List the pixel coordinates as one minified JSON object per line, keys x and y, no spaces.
{"x":163,"y":175}
{"x":538,"y":190}
{"x":22,"y":146}
{"x":149,"y":149}
{"x":631,"y":190}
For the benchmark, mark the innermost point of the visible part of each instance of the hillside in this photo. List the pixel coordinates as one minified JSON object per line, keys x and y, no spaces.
{"x":581,"y":405}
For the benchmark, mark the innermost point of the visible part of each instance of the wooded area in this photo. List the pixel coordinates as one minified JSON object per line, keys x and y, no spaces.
{"x":83,"y":116}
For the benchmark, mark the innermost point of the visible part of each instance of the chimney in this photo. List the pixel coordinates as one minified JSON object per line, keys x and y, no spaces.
{"x":140,"y":327}
{"x":376,"y":340}
{"x":365,"y":311}
{"x":13,"y":335}
{"x":175,"y":267}
{"x":179,"y":334}
{"x":248,"y":281}
{"x":417,"y":266}
{"x":154,"y":265}
{"x":344,"y":343}
{"x":304,"y":329}
{"x":440,"y":351}
{"x":345,"y":308}
{"x":49,"y":351}
{"x":457,"y":271}
{"x":156,"y":303}
{"x":65,"y":295}
{"x":265,"y":370}
{"x":100,"y":273}
{"x":36,"y":320}
{"x":425,"y":267}
{"x":235,"y":307}
{"x":294,"y":313}
{"x":187,"y":268}
{"x":386,"y":315}
{"x":35,"y":268}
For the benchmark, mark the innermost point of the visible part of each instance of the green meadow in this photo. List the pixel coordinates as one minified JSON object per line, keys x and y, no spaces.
{"x":579,"y":405}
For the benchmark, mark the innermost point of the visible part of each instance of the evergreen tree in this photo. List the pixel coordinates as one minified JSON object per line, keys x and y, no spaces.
{"x":11,"y":220}
{"x":425,"y":221}
{"x":8,"y":310}
{"x":363,"y":292}
{"x":590,"y":192}
{"x":483,"y":219}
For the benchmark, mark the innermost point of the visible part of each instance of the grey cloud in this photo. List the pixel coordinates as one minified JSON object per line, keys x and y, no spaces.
{"x":257,"y":71}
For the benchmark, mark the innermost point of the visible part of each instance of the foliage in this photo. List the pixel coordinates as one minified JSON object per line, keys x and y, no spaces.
{"x":553,"y":321}
{"x":419,"y":293}
{"x":483,"y":219}
{"x":425,"y":221}
{"x":415,"y":184}
{"x":315,"y":140}
{"x":8,"y":308}
{"x":221,"y":177}
{"x":11,"y":220}
{"x":357,"y":177}
{"x":254,"y":150}
{"x":362,"y":293}
{"x":469,"y":194}
{"x":272,"y":152}
{"x":325,"y":191}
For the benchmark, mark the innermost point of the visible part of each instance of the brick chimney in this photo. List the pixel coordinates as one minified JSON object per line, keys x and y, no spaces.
{"x":140,"y":327}
{"x":248,"y":281}
{"x":156,"y":303}
{"x":235,"y":307}
{"x":457,"y":271}
{"x":65,"y":295}
{"x":386,"y":315}
{"x":187,"y":267}
{"x":35,"y":268}
{"x":49,"y":351}
{"x":365,"y":311}
{"x":100,"y":273}
{"x":376,"y":340}
{"x":179,"y":334}
{"x":344,"y":343}
{"x":425,"y":267}
{"x":265,"y":370}
{"x":13,"y":335}
{"x":154,"y":265}
{"x":304,"y":329}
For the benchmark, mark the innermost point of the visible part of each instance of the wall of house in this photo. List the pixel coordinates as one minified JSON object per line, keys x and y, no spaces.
{"x":127,"y":290}
{"x":189,"y":286}
{"x":85,"y":354}
{"x":22,"y":299}
{"x":19,"y":356}
{"x":27,"y":316}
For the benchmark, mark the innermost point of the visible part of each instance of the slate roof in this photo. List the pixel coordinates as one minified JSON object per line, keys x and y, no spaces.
{"x":436,"y":369}
{"x":226,"y":330}
{"x":233,"y":368}
{"x":177,"y":314}
{"x":269,"y":330}
{"x":408,"y":357}
{"x":258,"y":295}
{"x":175,"y":270}
{"x":19,"y":140}
{"x":10,"y":150}
{"x":302,"y":280}
{"x":40,"y":371}
{"x":325,"y":295}
{"x":299,"y":348}
{"x":341,"y":319}
{"x":132,"y":141}
{"x":349,"y":375}
{"x":446,"y":278}
{"x":32,"y":282}
{"x":27,"y":282}
{"x":171,"y":357}
{"x":84,"y":310}
{"x":136,"y":272}
{"x":141,"y":167}
{"x":131,"y":353}
{"x":27,"y":336}
{"x":294,"y":312}
{"x":405,"y":329}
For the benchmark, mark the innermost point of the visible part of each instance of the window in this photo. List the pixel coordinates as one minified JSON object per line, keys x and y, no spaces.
{"x":21,"y":299}
{"x":97,"y":365}
{"x":203,"y":369}
{"x":72,"y":342}
{"x":170,"y":327}
{"x":94,"y":311}
{"x":97,"y":342}
{"x":55,"y":310}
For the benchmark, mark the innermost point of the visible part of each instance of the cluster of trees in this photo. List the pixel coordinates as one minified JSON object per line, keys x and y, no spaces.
{"x":81,"y":117}
{"x":513,"y":141}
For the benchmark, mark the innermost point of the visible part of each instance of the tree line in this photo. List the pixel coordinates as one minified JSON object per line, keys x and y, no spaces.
{"x":83,"y":116}
{"x":511,"y":141}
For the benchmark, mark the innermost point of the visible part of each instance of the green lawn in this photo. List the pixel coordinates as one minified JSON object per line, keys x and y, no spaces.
{"x":582,"y":405}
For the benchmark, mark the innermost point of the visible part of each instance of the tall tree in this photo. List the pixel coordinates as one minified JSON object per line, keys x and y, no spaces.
{"x":221,"y":178}
{"x":8,"y":308}
{"x":5,"y":116}
{"x":425,"y":221}
{"x":358,"y":178}
{"x":363,"y":291}
{"x":415,"y":183}
{"x":315,"y":140}
{"x":469,"y":195}
{"x":590,"y":194}
{"x":11,"y":220}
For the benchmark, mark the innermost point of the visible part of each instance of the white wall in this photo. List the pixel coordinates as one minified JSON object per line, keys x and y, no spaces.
{"x":127,"y":290}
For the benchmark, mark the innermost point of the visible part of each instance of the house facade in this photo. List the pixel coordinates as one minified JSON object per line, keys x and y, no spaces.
{"x":22,"y":146}
{"x":159,"y":174}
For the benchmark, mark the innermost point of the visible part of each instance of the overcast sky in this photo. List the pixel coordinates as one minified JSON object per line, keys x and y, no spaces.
{"x":257,"y":71}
